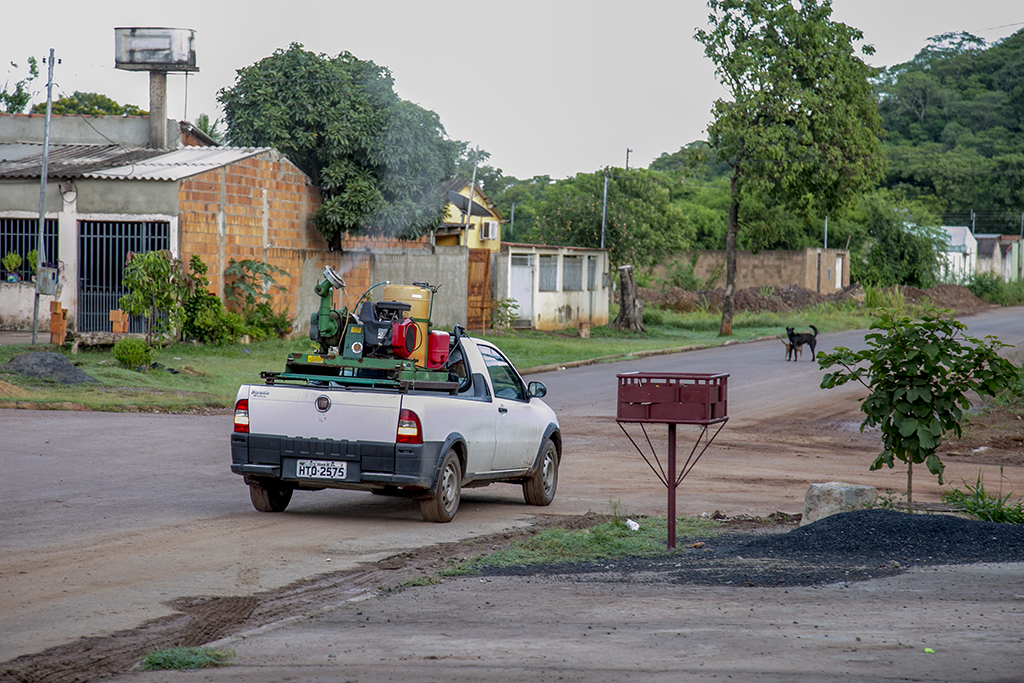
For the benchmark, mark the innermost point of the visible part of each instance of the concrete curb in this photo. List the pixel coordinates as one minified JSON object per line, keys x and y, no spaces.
{"x":639,"y":354}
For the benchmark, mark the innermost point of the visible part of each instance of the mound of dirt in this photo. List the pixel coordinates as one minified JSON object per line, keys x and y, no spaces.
{"x":794,"y":298}
{"x":46,"y":365}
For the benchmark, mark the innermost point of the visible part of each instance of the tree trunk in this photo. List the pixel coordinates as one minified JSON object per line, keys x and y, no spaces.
{"x":732,"y":230}
{"x":631,"y":308}
{"x":910,"y":486}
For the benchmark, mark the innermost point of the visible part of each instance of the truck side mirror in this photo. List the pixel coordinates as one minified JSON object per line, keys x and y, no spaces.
{"x":536,"y":390}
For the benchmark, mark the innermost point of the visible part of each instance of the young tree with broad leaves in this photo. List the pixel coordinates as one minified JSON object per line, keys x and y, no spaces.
{"x":377,"y":159}
{"x":801,"y":124}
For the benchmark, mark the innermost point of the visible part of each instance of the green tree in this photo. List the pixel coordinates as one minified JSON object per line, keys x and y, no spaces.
{"x":642,"y":225}
{"x":920,"y":375}
{"x":89,"y":103}
{"x":377,"y":159}
{"x":156,"y":284}
{"x":14,"y":97}
{"x":802,"y":124}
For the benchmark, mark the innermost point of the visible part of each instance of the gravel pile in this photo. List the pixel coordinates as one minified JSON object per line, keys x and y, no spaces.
{"x":848,"y":547}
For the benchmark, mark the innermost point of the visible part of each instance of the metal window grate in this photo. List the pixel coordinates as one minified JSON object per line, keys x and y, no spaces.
{"x":21,"y":235}
{"x":548,"y":273}
{"x":103,"y":248}
{"x":572,"y":273}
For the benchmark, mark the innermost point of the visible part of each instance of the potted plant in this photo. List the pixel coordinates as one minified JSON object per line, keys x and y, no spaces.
{"x":12,"y":262}
{"x":32,"y":258}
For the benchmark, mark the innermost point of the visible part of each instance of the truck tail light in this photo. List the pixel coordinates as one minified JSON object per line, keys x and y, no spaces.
{"x":409,"y":430}
{"x":242,"y":416}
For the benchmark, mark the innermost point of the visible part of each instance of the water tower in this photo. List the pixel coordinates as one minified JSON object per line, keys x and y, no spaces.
{"x":158,"y":51}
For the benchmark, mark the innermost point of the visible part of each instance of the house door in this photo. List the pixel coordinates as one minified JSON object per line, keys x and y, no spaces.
{"x":478,"y":299}
{"x":102,"y":249}
{"x":521,"y":286}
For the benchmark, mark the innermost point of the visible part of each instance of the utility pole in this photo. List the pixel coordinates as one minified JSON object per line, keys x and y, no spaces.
{"x":40,"y":244}
{"x":628,"y":150}
{"x":469,"y":209}
{"x":826,"y":232}
{"x":604,"y":207}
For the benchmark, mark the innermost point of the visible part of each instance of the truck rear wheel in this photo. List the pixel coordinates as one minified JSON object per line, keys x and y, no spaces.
{"x":539,"y":487}
{"x":442,"y":506}
{"x":269,"y":498}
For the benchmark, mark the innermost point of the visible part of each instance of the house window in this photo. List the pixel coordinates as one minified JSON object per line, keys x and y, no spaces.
{"x":572,"y":273}
{"x":21,"y":235}
{"x":548,"y":273}
{"x":591,"y":273}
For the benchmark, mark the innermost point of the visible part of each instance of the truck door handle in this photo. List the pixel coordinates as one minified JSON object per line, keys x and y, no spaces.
{"x":502,"y":409}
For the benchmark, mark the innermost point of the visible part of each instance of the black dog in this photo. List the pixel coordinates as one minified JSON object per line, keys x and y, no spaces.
{"x":798,"y":340}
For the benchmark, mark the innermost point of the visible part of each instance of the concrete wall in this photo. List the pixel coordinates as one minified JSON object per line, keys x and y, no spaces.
{"x":17,"y":302}
{"x":813,"y":268}
{"x":447,"y":267}
{"x":130,"y":131}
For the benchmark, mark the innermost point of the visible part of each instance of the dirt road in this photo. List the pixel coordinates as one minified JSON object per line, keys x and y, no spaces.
{"x":113,"y":520}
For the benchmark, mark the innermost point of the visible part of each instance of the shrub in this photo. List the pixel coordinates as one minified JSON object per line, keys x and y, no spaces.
{"x":984,"y":506}
{"x":133,"y":353}
{"x":185,"y":658}
{"x":991,"y":288}
{"x":262,"y":322}
{"x":207,"y":321}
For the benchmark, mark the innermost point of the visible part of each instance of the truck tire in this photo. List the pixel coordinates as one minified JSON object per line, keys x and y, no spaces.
{"x":443,"y":504}
{"x":269,"y":498}
{"x":539,"y":487}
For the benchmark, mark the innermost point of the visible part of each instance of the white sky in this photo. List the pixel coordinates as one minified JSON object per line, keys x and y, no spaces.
{"x":550,"y":87}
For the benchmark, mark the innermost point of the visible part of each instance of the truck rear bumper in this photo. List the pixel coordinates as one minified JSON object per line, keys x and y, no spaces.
{"x":368,"y":464}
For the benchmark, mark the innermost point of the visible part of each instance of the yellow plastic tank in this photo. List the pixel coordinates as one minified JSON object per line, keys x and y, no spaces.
{"x":419,"y":299}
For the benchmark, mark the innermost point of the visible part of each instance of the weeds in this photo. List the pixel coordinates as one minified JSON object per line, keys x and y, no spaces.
{"x":603,"y":541}
{"x":977,"y":502}
{"x":186,"y":658}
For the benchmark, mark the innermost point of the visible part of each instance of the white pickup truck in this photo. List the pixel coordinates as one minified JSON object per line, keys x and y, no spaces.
{"x":490,"y":427}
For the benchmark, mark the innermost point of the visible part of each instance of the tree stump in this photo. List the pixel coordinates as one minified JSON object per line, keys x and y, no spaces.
{"x":631,"y":307}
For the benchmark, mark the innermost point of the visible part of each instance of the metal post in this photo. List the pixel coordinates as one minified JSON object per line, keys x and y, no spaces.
{"x":826,"y":232}
{"x":41,"y":244}
{"x":671,"y":485}
{"x":604,"y":207}
{"x":469,"y":209}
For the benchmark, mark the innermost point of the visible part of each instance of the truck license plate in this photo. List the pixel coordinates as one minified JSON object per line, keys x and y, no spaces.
{"x":321,"y":469}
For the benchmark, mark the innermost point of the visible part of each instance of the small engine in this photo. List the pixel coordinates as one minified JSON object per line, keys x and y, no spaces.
{"x":385,"y":332}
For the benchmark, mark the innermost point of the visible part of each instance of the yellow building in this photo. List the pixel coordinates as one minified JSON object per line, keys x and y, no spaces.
{"x":482,"y":230}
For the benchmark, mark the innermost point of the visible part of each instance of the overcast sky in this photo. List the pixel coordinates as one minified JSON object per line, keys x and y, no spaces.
{"x":548,"y":87}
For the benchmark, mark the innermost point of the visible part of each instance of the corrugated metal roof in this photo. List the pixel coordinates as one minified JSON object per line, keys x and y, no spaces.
{"x":114,"y":162}
{"x":178,"y":164}
{"x":25,"y":159}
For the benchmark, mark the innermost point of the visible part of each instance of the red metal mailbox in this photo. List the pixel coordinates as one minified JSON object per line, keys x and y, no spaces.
{"x":673,"y":398}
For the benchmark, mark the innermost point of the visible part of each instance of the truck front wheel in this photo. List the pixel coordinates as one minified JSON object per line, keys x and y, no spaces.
{"x":269,"y":498}
{"x":441,"y":506}
{"x":539,"y":487}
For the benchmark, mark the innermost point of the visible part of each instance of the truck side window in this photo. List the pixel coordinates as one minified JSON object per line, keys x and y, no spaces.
{"x":505,"y":380}
{"x":456,"y":365}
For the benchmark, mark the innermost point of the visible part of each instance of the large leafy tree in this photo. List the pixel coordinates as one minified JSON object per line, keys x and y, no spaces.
{"x":90,"y":103}
{"x":801,"y":125}
{"x":377,"y":159}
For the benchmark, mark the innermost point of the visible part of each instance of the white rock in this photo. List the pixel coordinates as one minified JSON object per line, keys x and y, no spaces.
{"x":827,"y":499}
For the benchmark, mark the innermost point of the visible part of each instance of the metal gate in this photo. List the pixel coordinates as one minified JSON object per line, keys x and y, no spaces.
{"x":21,"y":235}
{"x":102,"y":249}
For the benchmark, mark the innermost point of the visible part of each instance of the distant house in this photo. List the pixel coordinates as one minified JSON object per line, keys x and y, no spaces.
{"x":960,"y":259}
{"x":990,"y":256}
{"x":553,"y":287}
{"x":477,"y":226}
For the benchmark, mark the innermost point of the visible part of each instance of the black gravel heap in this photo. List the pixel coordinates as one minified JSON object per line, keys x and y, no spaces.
{"x":47,"y":365}
{"x":878,"y":536}
{"x":843,"y":548}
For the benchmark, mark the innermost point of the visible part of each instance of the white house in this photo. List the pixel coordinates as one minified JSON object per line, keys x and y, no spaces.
{"x":553,"y":287}
{"x":961,"y":256}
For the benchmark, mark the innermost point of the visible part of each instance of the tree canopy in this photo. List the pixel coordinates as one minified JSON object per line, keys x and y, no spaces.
{"x":377,"y":159}
{"x":802,"y":126}
{"x":89,"y":103}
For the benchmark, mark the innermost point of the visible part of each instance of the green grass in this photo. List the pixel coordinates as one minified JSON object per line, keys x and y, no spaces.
{"x":603,"y":541}
{"x":979,"y":503}
{"x":185,"y":658}
{"x":209,"y":376}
